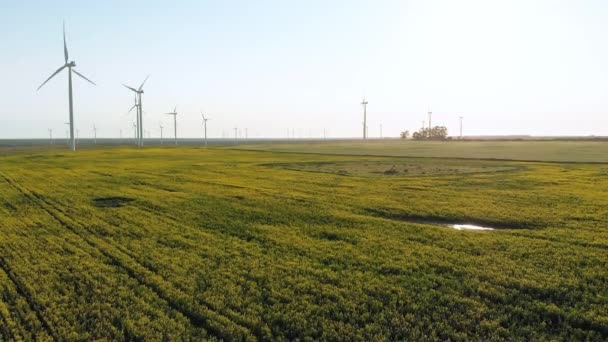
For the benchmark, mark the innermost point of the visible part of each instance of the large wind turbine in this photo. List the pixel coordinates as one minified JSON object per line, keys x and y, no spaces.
{"x":138,"y":92}
{"x":174,"y":113}
{"x":70,"y":65}
{"x":205,"y":125}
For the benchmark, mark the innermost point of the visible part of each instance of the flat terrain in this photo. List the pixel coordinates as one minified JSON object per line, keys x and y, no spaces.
{"x":194,"y":243}
{"x":560,"y":151}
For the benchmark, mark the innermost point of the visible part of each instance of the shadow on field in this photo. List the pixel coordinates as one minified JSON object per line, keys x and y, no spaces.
{"x":111,"y":202}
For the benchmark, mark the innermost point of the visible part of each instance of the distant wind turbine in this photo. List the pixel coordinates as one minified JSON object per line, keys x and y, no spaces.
{"x":51,"y":136}
{"x":460,"y":117}
{"x":161,"y":132}
{"x":174,"y":113}
{"x":138,"y":92}
{"x":364,"y":103}
{"x":135,"y":132}
{"x":430,"y":124}
{"x":67,"y":134}
{"x":70,"y":66}
{"x":95,"y":134}
{"x":205,"y":125}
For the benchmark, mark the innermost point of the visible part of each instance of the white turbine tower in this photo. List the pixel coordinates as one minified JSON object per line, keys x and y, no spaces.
{"x":135,"y":132}
{"x":161,"y":132}
{"x":138,"y":92}
{"x":50,"y":136}
{"x":460,"y":117}
{"x":95,"y":134}
{"x":364,"y":103}
{"x":430,"y":124}
{"x":205,"y":126}
{"x":174,"y":113}
{"x":70,"y":66}
{"x":135,"y":105}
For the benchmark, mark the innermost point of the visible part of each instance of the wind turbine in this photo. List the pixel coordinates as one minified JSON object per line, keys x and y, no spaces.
{"x":77,"y":136}
{"x":364,"y":103}
{"x":138,"y":92}
{"x":51,"y":136}
{"x":174,"y":113}
{"x":67,"y":134}
{"x":95,"y":134}
{"x":161,"y":132}
{"x":205,"y":125}
{"x":460,"y":117}
{"x":70,"y":66}
{"x":135,"y":135}
{"x":430,"y":125}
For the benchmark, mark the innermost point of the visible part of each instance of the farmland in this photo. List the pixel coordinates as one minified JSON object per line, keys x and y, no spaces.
{"x":222,"y":243}
{"x":549,"y":150}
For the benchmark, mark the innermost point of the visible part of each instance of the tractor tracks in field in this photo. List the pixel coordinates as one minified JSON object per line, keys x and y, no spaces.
{"x":23,"y":291}
{"x":21,"y":288}
{"x":215,"y":323}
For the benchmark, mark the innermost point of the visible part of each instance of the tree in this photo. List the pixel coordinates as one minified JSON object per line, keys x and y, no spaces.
{"x":405,"y":134}
{"x":435,"y":133}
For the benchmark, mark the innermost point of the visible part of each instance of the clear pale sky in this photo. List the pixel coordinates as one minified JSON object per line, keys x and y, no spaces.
{"x":509,"y":67}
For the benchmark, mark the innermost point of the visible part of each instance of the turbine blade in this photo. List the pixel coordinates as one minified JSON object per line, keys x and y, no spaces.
{"x":79,"y":74}
{"x":135,"y":105}
{"x":126,"y":86}
{"x":144,"y":82}
{"x":53,"y":75}
{"x":65,"y":46}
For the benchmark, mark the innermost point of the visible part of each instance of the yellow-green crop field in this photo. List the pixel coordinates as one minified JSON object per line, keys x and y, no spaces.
{"x":224,"y":244}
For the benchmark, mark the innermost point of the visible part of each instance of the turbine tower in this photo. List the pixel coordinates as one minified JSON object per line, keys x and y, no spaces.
{"x":161,"y":132}
{"x":50,"y":136}
{"x":460,"y":117}
{"x":70,"y":66}
{"x":135,"y":135}
{"x":135,"y":105}
{"x":430,"y":125}
{"x":364,"y":103}
{"x":138,"y":92}
{"x":205,"y":125}
{"x":67,"y":135}
{"x":95,"y":134}
{"x":174,"y":113}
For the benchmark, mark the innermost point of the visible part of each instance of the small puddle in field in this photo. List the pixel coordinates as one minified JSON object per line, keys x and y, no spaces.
{"x":468,"y":227}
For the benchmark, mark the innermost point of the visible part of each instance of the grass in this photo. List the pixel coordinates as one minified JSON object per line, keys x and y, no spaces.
{"x":547,"y":151}
{"x":193,"y":243}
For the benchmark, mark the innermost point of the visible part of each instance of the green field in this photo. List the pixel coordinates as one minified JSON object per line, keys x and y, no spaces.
{"x":193,"y":244}
{"x":551,"y":150}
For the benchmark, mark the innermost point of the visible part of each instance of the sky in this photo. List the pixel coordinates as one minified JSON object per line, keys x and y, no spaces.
{"x":271,"y":66}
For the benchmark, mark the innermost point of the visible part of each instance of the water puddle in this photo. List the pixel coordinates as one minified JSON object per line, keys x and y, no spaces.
{"x":468,"y":227}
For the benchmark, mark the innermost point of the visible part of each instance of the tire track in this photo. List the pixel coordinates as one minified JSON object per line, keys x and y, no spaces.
{"x":22,"y":290}
{"x":216,"y":324}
